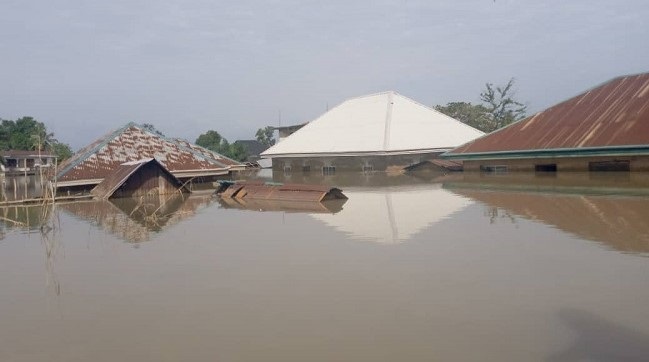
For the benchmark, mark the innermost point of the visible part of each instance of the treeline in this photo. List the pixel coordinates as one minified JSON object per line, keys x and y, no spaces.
{"x":498,"y":108}
{"x":26,"y":134}
{"x":213,"y":141}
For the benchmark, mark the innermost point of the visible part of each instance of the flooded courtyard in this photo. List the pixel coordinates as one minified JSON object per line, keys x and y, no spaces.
{"x":456,"y":267}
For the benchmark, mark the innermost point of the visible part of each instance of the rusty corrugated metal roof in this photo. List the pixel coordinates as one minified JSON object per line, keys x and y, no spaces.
{"x":285,"y":192}
{"x":132,"y":143}
{"x":613,"y":114}
{"x":122,"y":173}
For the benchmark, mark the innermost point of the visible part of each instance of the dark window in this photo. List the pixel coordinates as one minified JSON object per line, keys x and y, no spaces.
{"x":328,"y":170}
{"x":306,"y":169}
{"x":493,"y":168}
{"x":287,"y":169}
{"x":368,"y":168}
{"x":548,"y":167}
{"x":609,"y":166}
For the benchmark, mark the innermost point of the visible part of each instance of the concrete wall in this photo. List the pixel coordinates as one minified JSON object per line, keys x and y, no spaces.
{"x":637,"y":163}
{"x":348,"y":163}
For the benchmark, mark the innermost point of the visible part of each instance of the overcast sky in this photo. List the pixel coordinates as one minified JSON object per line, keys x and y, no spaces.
{"x":86,"y":67}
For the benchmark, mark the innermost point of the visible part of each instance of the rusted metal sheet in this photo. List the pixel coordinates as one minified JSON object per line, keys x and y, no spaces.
{"x":285,"y":192}
{"x":613,"y":114}
{"x":139,"y":178}
{"x":325,"y":207}
{"x":131,"y":143}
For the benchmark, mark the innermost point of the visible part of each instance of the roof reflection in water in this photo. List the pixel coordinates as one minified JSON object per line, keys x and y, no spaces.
{"x":393,"y":214}
{"x":134,"y":219}
{"x":619,"y":221}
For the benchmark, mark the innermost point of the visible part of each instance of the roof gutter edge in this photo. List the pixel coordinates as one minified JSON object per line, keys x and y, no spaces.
{"x":554,"y":152}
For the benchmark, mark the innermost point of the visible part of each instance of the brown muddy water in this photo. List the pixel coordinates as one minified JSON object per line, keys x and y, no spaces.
{"x":467,"y":267}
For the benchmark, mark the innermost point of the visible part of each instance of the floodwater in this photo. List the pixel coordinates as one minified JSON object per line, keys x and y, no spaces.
{"x":461,"y":267}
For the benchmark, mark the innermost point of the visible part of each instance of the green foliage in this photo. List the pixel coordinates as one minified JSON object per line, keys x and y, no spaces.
{"x":27,"y":133}
{"x":213,"y":141}
{"x":502,"y":107}
{"x":238,"y":152}
{"x":151,"y":128}
{"x":265,"y":136}
{"x":62,"y":151}
{"x":475,"y":115}
{"x":498,"y":109}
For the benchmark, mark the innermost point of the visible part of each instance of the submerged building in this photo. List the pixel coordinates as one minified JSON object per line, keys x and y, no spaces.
{"x":131,"y":143}
{"x":603,"y":129}
{"x":370,"y":133}
{"x":19,"y":162}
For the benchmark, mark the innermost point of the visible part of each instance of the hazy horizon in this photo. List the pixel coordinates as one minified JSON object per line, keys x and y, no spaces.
{"x":85,"y":68}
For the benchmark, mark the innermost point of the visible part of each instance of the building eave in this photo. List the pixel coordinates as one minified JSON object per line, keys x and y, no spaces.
{"x":356,"y":153}
{"x":613,"y":151}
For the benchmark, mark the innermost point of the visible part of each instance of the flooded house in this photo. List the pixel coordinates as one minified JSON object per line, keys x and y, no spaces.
{"x":146,"y":177}
{"x":185,"y":161}
{"x":21,"y":162}
{"x":370,"y":133}
{"x":605,"y":128}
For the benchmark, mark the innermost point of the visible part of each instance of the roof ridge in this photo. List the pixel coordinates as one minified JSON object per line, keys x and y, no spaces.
{"x":86,"y":152}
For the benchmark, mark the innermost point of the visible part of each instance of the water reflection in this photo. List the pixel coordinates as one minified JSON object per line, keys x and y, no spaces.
{"x":21,"y":187}
{"x":23,"y":217}
{"x":393,"y":214}
{"x":619,"y":221}
{"x":134,"y":219}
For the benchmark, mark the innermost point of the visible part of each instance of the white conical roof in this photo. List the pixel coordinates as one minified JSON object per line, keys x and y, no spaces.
{"x":383,"y":123}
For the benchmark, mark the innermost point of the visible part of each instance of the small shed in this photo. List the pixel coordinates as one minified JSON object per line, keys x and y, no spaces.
{"x":139,"y":178}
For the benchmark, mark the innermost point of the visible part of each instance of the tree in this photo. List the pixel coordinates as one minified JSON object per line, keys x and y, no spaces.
{"x":151,"y":128}
{"x":501,"y":106}
{"x":62,"y":151}
{"x":475,"y":115}
{"x":213,"y":141}
{"x":497,"y":110}
{"x":238,"y":152}
{"x":27,"y":133}
{"x":265,"y":136}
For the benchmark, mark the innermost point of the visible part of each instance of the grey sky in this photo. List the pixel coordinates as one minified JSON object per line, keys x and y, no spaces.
{"x":86,"y":67}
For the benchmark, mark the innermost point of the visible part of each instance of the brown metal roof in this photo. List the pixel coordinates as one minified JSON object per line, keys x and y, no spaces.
{"x":25,"y":154}
{"x":122,"y":173}
{"x":325,"y":207}
{"x":613,"y":114}
{"x":286,"y":192}
{"x":132,"y":143}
